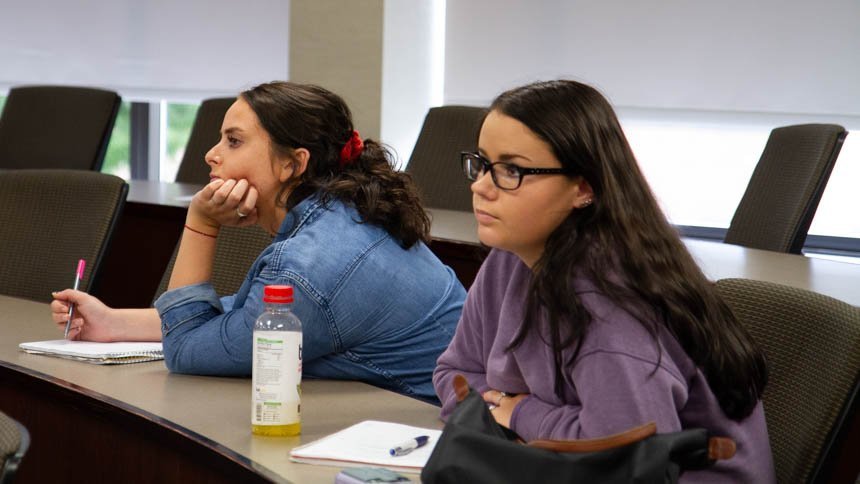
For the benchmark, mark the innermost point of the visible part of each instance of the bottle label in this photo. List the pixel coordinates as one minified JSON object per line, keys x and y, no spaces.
{"x":276,"y":377}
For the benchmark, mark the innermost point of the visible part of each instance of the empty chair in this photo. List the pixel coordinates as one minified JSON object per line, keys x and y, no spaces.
{"x":56,"y":127}
{"x":49,"y":220}
{"x":812,"y":345}
{"x":204,"y":135}
{"x":14,"y":441}
{"x":783,"y":193}
{"x":236,"y":248}
{"x":435,"y":161}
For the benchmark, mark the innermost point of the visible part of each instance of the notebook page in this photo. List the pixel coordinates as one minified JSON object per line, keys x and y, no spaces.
{"x":369,"y":443}
{"x":90,"y":349}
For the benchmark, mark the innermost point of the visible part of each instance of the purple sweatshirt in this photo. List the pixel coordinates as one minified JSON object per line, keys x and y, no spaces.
{"x":616,"y":385}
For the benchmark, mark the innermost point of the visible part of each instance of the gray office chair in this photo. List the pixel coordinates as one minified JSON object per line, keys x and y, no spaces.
{"x":48,"y":220}
{"x":435,"y":161}
{"x":783,"y":194}
{"x":204,"y":135}
{"x":56,"y":127}
{"x":235,"y":250}
{"x":812,"y":345}
{"x":14,"y":442}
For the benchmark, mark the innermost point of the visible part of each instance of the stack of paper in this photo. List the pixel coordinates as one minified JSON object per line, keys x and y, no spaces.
{"x":369,"y":443}
{"x":100,"y":353}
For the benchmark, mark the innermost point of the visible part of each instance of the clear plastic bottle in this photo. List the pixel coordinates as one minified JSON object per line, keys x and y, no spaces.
{"x":277,"y":366}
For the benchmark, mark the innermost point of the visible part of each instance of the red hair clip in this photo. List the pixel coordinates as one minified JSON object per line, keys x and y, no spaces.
{"x":351,"y":149}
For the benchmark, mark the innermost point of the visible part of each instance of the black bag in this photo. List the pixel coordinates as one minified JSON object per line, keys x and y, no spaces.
{"x":475,"y":449}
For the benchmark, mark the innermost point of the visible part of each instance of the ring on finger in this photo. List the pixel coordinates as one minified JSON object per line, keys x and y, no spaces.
{"x":240,"y":214}
{"x":492,"y":406}
{"x":501,"y":396}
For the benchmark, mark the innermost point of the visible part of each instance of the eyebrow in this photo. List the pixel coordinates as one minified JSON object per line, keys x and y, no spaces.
{"x":232,"y":130}
{"x":505,"y":157}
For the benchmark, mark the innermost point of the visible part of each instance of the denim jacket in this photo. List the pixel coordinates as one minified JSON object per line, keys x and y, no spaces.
{"x":370,"y":310}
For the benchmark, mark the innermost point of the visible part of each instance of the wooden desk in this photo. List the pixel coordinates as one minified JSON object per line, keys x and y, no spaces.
{"x":145,"y":237}
{"x":152,"y":221}
{"x":139,"y":423}
{"x":717,"y":260}
{"x":150,"y":226}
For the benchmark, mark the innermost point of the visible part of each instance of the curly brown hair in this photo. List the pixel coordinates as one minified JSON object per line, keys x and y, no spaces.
{"x":311,"y":117}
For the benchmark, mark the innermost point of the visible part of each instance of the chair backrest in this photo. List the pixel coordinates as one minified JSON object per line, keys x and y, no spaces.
{"x":56,"y":127}
{"x":14,"y":442}
{"x":783,"y":193}
{"x":812,"y":345}
{"x":435,"y":161}
{"x":235,"y":250}
{"x":204,"y":135}
{"x":48,"y":220}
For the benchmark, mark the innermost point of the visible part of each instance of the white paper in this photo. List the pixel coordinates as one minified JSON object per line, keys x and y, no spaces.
{"x":369,"y":443}
{"x":90,"y":349}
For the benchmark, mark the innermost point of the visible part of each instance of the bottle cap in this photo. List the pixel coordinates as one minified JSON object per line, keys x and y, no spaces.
{"x":278,"y":294}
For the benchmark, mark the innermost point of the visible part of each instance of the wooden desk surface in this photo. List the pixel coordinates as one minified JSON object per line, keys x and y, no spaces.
{"x":161,"y":193}
{"x":212,"y":412}
{"x":717,"y":260}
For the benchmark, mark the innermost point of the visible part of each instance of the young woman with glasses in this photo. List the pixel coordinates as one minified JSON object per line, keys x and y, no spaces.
{"x":589,"y":316}
{"x":349,"y":235}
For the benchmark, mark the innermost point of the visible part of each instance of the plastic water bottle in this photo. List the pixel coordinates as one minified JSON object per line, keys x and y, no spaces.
{"x":277,"y":366}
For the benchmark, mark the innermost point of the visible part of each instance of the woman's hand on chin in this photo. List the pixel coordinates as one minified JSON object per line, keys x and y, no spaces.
{"x":224,"y":202}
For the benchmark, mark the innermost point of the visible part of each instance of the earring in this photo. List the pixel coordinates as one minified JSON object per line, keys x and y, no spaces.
{"x":586,"y":203}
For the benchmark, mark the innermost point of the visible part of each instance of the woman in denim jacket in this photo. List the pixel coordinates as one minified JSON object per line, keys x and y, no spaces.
{"x":375,"y":304}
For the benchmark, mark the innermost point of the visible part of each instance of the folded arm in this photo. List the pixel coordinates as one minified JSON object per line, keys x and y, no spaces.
{"x":616,"y":392}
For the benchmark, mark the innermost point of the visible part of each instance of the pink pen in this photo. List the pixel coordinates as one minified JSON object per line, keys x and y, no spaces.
{"x":78,"y":276}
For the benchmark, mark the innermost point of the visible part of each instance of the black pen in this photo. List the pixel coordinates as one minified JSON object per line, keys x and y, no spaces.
{"x":409,"y":445}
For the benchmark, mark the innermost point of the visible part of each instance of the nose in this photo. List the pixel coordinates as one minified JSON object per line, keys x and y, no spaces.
{"x":212,"y":157}
{"x":484,"y":186}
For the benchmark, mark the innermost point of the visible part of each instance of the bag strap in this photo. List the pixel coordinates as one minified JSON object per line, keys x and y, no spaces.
{"x":600,"y":443}
{"x":718,"y":447}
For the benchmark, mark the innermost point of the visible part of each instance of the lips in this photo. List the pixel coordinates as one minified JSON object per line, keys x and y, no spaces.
{"x":483,"y":217}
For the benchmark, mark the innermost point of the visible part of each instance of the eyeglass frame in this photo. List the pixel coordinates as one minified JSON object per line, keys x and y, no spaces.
{"x":488,"y":165}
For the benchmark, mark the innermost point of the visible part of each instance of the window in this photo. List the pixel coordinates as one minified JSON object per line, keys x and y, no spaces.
{"x":166,"y":146}
{"x":180,"y":120}
{"x":119,"y":147}
{"x":699,"y":166}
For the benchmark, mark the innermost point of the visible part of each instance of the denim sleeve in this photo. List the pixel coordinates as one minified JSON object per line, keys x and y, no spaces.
{"x":227,"y":302}
{"x":199,"y":337}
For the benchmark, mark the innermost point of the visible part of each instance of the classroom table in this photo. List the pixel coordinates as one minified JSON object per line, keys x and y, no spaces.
{"x":140,"y":423}
{"x":144,"y":239}
{"x":716,"y":259}
{"x":152,"y":220}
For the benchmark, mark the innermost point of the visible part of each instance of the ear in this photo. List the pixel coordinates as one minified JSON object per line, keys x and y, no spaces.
{"x":293,"y":167}
{"x":583,"y":194}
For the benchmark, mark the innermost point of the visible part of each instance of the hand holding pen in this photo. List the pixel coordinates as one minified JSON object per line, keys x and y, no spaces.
{"x":79,"y":274}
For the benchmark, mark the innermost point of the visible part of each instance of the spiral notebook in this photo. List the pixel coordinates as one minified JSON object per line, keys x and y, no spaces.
{"x":118,"y":353}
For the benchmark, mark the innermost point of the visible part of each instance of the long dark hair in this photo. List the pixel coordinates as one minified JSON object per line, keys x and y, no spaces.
{"x":311,"y":117}
{"x":623,"y":242}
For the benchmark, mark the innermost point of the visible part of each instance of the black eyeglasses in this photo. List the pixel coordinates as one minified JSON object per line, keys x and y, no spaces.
{"x":506,"y":176}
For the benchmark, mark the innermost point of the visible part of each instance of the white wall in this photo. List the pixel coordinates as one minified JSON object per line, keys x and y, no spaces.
{"x":146,"y":50}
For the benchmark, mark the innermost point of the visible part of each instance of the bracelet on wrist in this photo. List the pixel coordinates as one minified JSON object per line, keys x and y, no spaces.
{"x":199,"y":232}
